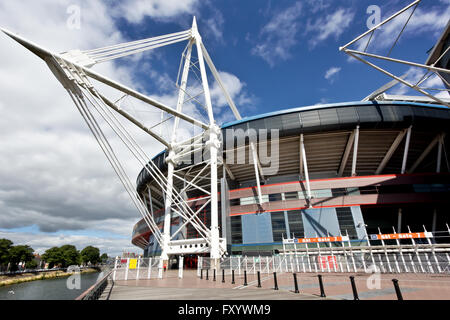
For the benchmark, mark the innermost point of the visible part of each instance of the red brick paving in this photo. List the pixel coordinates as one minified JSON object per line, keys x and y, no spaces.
{"x":413,"y":286}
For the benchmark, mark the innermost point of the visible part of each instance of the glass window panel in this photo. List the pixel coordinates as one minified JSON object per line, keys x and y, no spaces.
{"x":296,"y":224}
{"x":291,"y":195}
{"x":346,"y":223}
{"x":278,"y":226}
{"x":236,"y":229}
{"x":275,"y":197}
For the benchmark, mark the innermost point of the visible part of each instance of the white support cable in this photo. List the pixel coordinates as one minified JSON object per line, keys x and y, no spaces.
{"x":137,"y":42}
{"x":80,"y":80}
{"x":129,"y":186}
{"x":108,"y":58}
{"x":101,"y":139}
{"x":380,"y":24}
{"x":148,"y":45}
{"x":403,"y":29}
{"x":191,"y":218}
{"x":147,"y":160}
{"x":192,"y":184}
{"x":414,"y":64}
{"x":195,"y":178}
{"x":398,"y":79}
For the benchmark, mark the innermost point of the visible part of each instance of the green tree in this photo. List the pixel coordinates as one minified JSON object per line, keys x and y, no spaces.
{"x":5,"y":246}
{"x":21,"y":253}
{"x":90,"y":254}
{"x":104,"y":257}
{"x":70,"y":255}
{"x":53,"y":257}
{"x":31,"y":264}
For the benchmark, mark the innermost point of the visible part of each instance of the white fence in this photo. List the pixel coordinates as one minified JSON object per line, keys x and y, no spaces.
{"x":137,"y":268}
{"x":368,"y":260}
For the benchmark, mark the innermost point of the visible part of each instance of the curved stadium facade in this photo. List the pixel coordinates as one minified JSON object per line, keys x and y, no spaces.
{"x":371,"y":166}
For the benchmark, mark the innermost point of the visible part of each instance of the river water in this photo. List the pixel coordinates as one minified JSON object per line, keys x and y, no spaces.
{"x":49,"y":289}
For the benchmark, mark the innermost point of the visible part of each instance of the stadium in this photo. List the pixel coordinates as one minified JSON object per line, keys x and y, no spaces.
{"x":371,"y":166}
{"x":362,"y":174}
{"x":370,"y":172}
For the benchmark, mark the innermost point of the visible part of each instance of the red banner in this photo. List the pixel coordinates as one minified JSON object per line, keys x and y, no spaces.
{"x":322,"y":239}
{"x":393,"y":236}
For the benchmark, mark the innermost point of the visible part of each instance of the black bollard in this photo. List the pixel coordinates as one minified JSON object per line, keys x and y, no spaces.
{"x":259,"y":280}
{"x":232,"y":276}
{"x":201,"y":273}
{"x":322,"y":291}
{"x":207,"y":270}
{"x":295,"y":283}
{"x":355,"y":292}
{"x":275,"y":281}
{"x":245,"y":277}
{"x":223,"y":275}
{"x":397,"y":289}
{"x":214,"y":274}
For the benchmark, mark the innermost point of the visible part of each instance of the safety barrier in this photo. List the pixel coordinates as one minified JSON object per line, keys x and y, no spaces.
{"x":433,"y":259}
{"x":137,"y":268}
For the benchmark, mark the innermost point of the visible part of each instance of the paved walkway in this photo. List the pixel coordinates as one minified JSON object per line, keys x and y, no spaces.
{"x":337,"y":286}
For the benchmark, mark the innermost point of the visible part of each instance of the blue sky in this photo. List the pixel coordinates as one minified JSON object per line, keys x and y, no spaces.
{"x":55,"y":185}
{"x":289,"y":70}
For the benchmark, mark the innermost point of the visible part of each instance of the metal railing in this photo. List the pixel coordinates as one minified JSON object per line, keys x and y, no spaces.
{"x":138,"y":268}
{"x":96,"y":290}
{"x":434,"y":259}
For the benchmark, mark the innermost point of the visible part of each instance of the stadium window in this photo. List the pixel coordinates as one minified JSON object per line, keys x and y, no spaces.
{"x":235,"y":202}
{"x":236,"y":230}
{"x":295,"y":222}
{"x":353,"y":191}
{"x":346,"y":223}
{"x":338,"y":192}
{"x":438,"y":188}
{"x":278,"y":226}
{"x":368,"y":190}
{"x":322,"y":193}
{"x":274,"y":197}
{"x":302,"y":195}
{"x":248,"y":200}
{"x":291,"y":195}
{"x":422,"y":188}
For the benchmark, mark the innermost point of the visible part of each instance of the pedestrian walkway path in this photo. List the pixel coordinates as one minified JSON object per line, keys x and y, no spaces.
{"x":336,"y":287}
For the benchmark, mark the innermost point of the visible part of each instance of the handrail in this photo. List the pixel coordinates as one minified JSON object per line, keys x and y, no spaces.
{"x":95,"y":291}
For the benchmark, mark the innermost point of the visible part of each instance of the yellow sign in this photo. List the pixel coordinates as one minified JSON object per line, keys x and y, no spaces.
{"x":132,"y":264}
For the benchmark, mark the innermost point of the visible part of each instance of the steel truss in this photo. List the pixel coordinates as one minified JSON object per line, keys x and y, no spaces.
{"x":430,"y":69}
{"x":72,"y":69}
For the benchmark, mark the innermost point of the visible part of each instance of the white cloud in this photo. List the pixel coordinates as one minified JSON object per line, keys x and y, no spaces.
{"x":52,"y":172}
{"x":414,"y":75}
{"x":332,"y":72}
{"x":135,"y":11}
{"x":279,"y":35}
{"x":41,"y":242}
{"x":331,"y":25}
{"x":429,"y":21}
